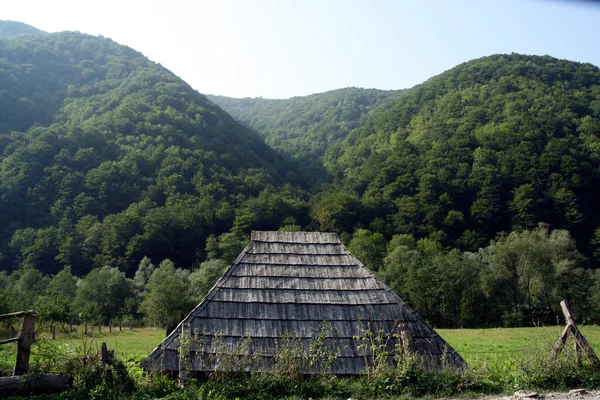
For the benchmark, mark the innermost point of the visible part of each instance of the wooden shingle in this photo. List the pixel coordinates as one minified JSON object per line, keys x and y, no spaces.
{"x":288,"y":286}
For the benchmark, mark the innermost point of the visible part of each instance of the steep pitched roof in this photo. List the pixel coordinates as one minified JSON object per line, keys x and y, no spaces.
{"x":291,"y":285}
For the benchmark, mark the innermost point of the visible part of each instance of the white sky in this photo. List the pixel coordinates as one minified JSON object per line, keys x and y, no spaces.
{"x":284,"y":48}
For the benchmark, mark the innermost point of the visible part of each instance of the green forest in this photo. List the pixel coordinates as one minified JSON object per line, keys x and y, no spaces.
{"x":125,"y":193}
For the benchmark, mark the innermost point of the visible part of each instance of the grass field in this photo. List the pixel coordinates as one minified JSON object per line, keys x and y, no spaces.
{"x":475,"y":345}
{"x":126,"y":343}
{"x":138,"y":342}
{"x":499,"y":344}
{"x":501,"y":360}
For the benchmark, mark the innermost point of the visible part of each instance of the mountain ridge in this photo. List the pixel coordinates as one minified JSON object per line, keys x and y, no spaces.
{"x":14,"y":28}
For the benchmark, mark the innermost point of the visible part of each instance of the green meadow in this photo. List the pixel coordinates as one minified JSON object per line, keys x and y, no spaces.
{"x":501,"y":344}
{"x":475,"y":345}
{"x":126,"y":344}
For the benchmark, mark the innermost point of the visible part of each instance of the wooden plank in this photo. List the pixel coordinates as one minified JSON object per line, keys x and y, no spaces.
{"x":266,"y":295}
{"x":588,"y":351}
{"x":294,"y":248}
{"x":16,"y":314}
{"x":581,"y":343}
{"x":562,"y":339}
{"x":315,"y":312}
{"x":5,"y":341}
{"x":367,"y":283}
{"x":295,"y":259}
{"x":567,"y":312}
{"x":26,"y":339}
{"x":304,"y":271}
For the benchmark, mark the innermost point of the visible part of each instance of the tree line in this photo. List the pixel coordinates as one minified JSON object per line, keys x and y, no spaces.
{"x":106,"y":296}
{"x":518,"y":279}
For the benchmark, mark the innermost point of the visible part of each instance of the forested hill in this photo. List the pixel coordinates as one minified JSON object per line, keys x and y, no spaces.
{"x":109,"y":163}
{"x":13,"y":28}
{"x":107,"y":157}
{"x":305,"y":127}
{"x":496,"y":144}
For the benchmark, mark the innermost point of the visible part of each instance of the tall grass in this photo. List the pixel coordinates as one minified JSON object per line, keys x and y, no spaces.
{"x":528,"y":369}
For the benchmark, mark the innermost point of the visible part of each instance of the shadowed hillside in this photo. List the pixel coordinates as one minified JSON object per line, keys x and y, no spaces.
{"x":107,"y":157}
{"x":305,"y":127}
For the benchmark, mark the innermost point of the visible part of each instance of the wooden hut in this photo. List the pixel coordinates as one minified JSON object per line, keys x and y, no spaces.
{"x":294,"y":288}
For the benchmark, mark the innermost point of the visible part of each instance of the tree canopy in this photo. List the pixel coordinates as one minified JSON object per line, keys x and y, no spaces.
{"x":107,"y":157}
{"x":110,"y":165}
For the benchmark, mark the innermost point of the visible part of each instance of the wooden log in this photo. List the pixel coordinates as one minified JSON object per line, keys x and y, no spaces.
{"x":560,"y":343}
{"x":20,"y":385}
{"x":5,"y":341}
{"x":26,"y":339}
{"x":16,"y":314}
{"x":567,"y":312}
{"x":585,"y":347}
{"x":581,"y":342}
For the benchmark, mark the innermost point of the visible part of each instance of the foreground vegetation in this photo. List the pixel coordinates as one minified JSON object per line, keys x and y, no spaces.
{"x":475,"y":345}
{"x":501,"y":361}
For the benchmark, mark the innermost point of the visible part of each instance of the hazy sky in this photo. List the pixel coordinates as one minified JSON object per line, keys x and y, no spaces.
{"x":284,"y":48}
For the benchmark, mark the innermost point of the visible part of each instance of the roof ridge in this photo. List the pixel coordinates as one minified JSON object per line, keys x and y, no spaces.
{"x":294,"y":237}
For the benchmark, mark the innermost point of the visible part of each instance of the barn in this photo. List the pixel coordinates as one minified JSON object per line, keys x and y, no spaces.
{"x":302,"y":294}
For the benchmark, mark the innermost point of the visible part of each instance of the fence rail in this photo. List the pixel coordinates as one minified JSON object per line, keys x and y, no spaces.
{"x":25,"y":339}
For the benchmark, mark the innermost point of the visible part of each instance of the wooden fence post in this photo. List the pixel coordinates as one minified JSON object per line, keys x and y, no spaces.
{"x":105,"y":355}
{"x":26,"y":339}
{"x":185,"y":346}
{"x":407,"y":342}
{"x":581,"y":343}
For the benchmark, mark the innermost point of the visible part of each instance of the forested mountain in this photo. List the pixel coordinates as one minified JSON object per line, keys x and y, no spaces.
{"x":305,"y":127}
{"x":110,"y":165}
{"x":13,"y":28}
{"x":107,"y":157}
{"x":496,"y":144}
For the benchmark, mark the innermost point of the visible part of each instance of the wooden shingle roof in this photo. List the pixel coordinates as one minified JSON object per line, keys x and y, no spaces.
{"x":291,"y":285}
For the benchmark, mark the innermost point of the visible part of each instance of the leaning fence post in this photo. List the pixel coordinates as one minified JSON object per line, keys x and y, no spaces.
{"x":26,"y":339}
{"x":581,"y":343}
